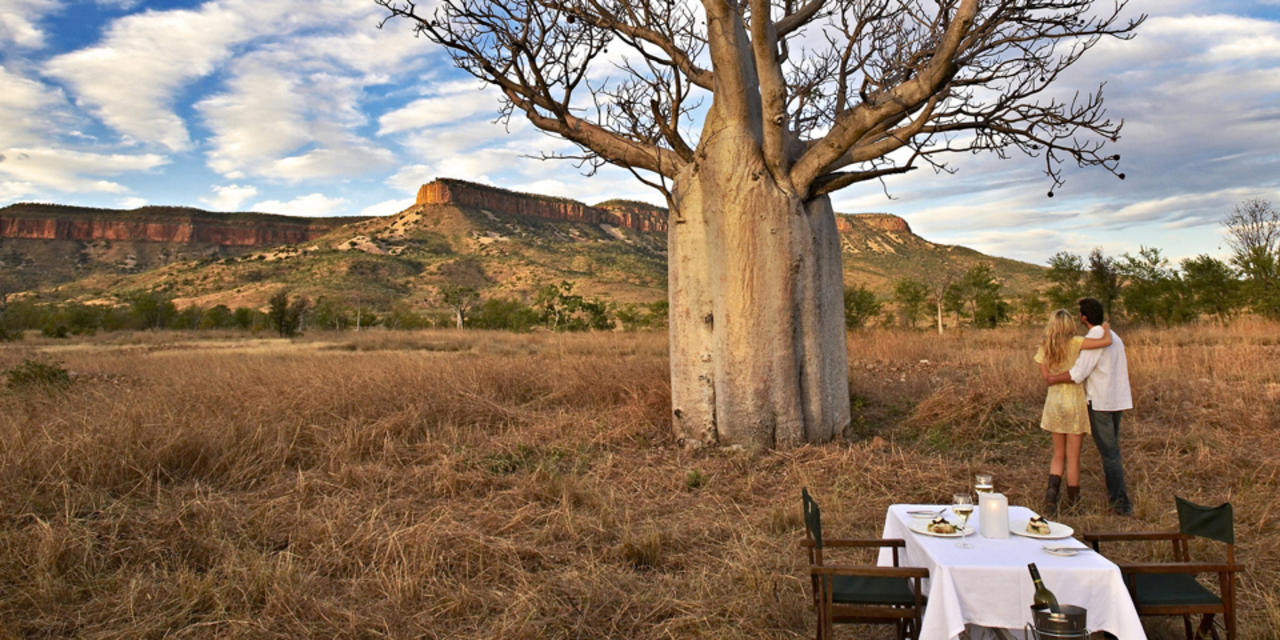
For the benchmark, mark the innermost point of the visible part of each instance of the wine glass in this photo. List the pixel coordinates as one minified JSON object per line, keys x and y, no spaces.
{"x":962,"y":507}
{"x":982,"y":483}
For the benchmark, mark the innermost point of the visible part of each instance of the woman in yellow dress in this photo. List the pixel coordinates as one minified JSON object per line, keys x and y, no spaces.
{"x":1066,"y":415}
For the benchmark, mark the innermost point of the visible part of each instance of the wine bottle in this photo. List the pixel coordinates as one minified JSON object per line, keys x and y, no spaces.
{"x":1043,"y":596}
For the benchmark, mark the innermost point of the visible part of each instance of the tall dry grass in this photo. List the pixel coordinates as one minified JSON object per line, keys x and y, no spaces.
{"x":457,"y":485}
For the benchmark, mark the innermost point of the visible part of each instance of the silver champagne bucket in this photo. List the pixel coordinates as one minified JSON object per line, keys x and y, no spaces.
{"x":1068,"y":624}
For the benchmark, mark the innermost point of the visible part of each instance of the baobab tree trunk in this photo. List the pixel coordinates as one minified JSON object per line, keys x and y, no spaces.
{"x":757,"y":315}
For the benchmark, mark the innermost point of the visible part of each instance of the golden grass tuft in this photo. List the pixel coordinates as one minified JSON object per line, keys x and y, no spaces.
{"x":469,"y":484}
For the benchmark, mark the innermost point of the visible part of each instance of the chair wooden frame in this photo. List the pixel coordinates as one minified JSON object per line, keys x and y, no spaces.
{"x":822,"y":578}
{"x":1183,"y":565}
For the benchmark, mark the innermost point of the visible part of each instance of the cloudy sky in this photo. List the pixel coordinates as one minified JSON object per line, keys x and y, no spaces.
{"x":306,"y":108}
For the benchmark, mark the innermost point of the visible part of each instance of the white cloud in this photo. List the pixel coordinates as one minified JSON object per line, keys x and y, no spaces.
{"x":259,"y":118}
{"x":1182,"y":209}
{"x":443,"y":143}
{"x":311,"y":205}
{"x":27,"y":109}
{"x":449,"y":105}
{"x":155,"y":54}
{"x":19,"y":21}
{"x":1029,"y":245}
{"x":481,"y":151}
{"x":72,"y":171}
{"x":292,"y":109}
{"x":229,"y":197}
{"x":134,"y":202}
{"x":347,"y":157}
{"x":15,"y":190}
{"x":382,"y":55}
{"x":608,"y":183}
{"x":387,"y":207}
{"x":410,"y":177}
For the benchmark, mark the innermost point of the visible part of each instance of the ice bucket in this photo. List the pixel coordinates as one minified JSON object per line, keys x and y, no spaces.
{"x":1068,"y":624}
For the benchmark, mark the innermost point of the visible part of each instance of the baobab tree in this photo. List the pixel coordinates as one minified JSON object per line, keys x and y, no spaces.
{"x":746,"y":115}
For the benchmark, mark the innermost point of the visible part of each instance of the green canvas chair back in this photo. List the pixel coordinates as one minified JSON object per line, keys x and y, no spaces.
{"x":812,"y":517}
{"x":1215,"y":523}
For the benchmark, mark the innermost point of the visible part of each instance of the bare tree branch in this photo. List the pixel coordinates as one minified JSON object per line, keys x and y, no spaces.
{"x":828,"y":90}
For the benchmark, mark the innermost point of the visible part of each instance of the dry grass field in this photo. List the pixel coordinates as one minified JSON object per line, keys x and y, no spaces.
{"x":480,"y":485}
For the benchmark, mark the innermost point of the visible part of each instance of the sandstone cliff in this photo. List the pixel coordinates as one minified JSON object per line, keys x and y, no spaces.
{"x":174,"y":225}
{"x":631,"y":215}
{"x":882,"y":221}
{"x":637,"y":216}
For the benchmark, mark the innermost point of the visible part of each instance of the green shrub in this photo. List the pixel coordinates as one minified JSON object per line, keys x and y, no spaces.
{"x":55,"y":330}
{"x":504,"y":313}
{"x":34,"y":374}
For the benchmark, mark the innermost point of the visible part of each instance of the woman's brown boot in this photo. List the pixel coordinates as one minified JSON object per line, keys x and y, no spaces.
{"x":1051,"y":495}
{"x":1072,"y":499}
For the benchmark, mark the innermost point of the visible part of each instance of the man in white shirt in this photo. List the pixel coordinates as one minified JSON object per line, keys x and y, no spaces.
{"x":1105,"y":374}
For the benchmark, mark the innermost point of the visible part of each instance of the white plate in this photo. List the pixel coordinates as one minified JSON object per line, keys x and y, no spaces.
{"x":923,"y":527}
{"x":1056,"y":530}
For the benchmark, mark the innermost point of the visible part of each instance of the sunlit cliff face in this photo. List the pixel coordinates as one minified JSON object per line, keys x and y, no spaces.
{"x":637,"y":217}
{"x":162,"y":227}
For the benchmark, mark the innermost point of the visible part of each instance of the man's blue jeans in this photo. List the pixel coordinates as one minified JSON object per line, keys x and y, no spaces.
{"x":1106,"y":435}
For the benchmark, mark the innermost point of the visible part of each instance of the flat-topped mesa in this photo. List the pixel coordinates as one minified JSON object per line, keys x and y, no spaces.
{"x":160,"y":224}
{"x":881,"y":221}
{"x":636,"y":216}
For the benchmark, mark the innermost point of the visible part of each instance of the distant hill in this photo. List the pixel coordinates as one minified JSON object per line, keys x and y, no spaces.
{"x":48,"y":244}
{"x":501,"y":242}
{"x":879,"y":249}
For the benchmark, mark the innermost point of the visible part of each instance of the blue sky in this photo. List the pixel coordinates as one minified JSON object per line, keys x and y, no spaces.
{"x":305,"y":108}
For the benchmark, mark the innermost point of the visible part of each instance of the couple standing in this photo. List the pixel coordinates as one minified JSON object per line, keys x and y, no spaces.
{"x":1072,"y":409}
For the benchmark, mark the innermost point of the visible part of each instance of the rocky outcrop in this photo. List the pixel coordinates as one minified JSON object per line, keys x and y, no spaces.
{"x":882,"y":221}
{"x":636,"y":216}
{"x":160,"y":224}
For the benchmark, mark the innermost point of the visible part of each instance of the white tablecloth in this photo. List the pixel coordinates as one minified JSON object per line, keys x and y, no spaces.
{"x":988,"y":585}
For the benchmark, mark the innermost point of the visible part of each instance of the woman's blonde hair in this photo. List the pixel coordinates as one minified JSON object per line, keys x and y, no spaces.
{"x":1057,"y":335}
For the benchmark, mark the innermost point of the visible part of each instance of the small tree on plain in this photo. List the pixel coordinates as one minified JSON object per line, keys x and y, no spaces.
{"x":1214,"y":287}
{"x":1032,"y":307}
{"x":152,"y":309}
{"x":860,"y":306}
{"x":285,"y":315}
{"x":981,"y":297}
{"x":5,"y":333}
{"x":1066,"y":276}
{"x":1253,"y":231}
{"x":460,"y":300}
{"x":910,"y":296}
{"x":1103,"y":279}
{"x":1155,"y":292}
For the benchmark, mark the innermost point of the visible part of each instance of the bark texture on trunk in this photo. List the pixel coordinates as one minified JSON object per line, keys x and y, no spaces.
{"x":757,"y":316}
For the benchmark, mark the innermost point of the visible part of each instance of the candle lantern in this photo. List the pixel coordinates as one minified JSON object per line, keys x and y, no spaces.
{"x":993,"y":515}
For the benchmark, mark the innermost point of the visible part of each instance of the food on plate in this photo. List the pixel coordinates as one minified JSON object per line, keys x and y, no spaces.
{"x":941,"y":525}
{"x":1039,"y":526}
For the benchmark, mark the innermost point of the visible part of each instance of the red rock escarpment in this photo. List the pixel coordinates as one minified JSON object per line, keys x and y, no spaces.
{"x":881,"y":221}
{"x":630,"y":215}
{"x":46,"y":222}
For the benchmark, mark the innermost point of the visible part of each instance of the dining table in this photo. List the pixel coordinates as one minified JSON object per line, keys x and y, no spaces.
{"x":976,"y":582}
